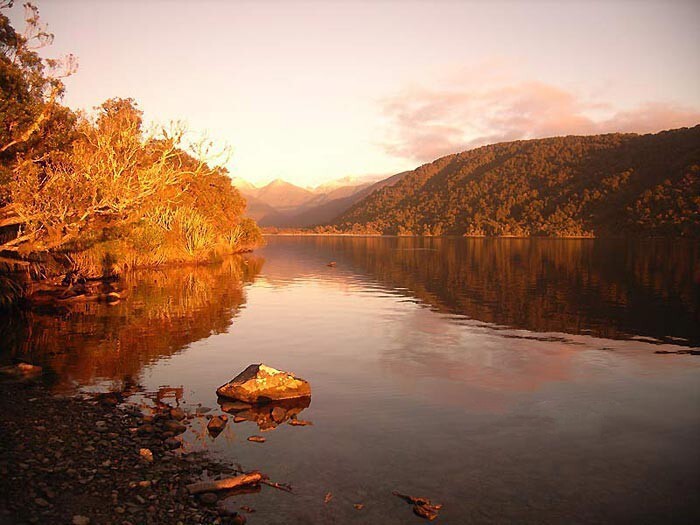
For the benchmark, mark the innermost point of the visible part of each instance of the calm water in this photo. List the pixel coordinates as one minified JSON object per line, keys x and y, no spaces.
{"x":514,"y":381}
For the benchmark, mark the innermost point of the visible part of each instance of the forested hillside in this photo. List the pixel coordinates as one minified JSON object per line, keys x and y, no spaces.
{"x":563,"y":186}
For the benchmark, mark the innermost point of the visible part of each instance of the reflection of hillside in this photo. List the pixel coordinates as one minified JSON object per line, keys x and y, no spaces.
{"x":166,"y":310}
{"x":605,"y":288}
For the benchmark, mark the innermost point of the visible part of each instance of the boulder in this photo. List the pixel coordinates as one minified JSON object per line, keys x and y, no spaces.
{"x":262,"y":384}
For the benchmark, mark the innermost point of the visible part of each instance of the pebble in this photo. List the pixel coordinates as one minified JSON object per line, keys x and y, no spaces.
{"x":177,"y":413}
{"x":216,"y":425}
{"x":94,"y":450}
{"x":257,"y":439}
{"x":172,"y":443}
{"x":146,"y":429}
{"x":174,"y":426}
{"x":208,"y":498}
{"x":278,"y":414}
{"x":299,"y":422}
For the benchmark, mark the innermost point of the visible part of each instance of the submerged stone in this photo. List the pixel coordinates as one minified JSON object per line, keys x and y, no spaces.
{"x":261,"y":384}
{"x":271,"y":414}
{"x":216,"y":425}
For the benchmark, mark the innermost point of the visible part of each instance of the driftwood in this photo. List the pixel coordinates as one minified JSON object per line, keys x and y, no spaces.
{"x":279,"y":486}
{"x":286,"y":487}
{"x":251,"y":478}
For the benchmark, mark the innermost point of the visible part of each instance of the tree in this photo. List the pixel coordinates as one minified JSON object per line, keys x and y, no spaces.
{"x":113,"y":177}
{"x":74,"y":183}
{"x":32,"y":121}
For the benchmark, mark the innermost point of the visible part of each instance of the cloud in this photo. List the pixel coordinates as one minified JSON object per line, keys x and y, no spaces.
{"x":424,"y":124}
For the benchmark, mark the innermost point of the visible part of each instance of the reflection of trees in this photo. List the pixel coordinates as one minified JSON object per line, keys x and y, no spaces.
{"x":606,"y":288}
{"x":166,"y":310}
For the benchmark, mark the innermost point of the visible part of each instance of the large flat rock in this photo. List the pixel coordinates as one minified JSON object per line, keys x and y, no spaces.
{"x":261,"y":384}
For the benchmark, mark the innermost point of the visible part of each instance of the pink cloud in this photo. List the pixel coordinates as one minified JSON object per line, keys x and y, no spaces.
{"x":425,"y":124}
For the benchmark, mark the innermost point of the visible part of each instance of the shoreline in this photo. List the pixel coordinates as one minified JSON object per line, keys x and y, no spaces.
{"x":485,"y":237}
{"x":78,"y":459}
{"x":314,"y":234}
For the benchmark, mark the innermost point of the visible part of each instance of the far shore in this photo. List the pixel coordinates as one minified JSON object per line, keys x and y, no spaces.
{"x":317,"y":234}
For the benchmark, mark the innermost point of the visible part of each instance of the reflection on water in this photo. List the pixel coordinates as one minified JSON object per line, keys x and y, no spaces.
{"x":615,"y":289}
{"x":166,"y":310}
{"x":510,"y":380}
{"x":267,"y":416}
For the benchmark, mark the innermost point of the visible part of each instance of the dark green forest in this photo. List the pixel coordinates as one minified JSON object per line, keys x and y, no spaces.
{"x":576,"y":186}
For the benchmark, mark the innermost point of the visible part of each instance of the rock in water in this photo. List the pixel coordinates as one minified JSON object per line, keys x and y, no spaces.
{"x":177,"y":414}
{"x":260,"y":384}
{"x":21,"y":369}
{"x":278,"y":414}
{"x":216,"y":425}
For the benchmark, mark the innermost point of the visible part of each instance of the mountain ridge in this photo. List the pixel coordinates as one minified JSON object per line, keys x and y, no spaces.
{"x":283,"y":204}
{"x":577,"y":186}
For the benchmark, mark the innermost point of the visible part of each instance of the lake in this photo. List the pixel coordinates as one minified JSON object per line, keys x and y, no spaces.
{"x":511,"y":380}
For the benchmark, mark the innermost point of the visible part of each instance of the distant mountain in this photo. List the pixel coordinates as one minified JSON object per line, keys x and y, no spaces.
{"x":339,"y":192}
{"x":284,"y":204}
{"x":244,"y":186}
{"x":564,"y":186}
{"x":350,"y":181}
{"x":257,"y":209}
{"x":282,"y":195}
{"x":325,"y":207}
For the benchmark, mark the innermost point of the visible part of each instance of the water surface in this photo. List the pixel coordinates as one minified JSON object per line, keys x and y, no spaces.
{"x":511,"y":380}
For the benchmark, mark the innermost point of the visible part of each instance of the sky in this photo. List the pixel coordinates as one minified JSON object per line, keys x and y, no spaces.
{"x":314,"y":91}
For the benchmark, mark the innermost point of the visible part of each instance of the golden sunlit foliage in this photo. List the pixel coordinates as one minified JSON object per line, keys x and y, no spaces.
{"x":100,"y":187}
{"x":142,"y":196}
{"x":558,"y":187}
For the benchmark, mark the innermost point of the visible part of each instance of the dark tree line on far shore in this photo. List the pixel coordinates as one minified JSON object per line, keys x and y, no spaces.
{"x":572,"y":186}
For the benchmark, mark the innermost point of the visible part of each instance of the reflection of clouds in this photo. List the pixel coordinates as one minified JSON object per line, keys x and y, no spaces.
{"x":474,"y":371}
{"x":473,"y":109}
{"x":472,"y":366}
